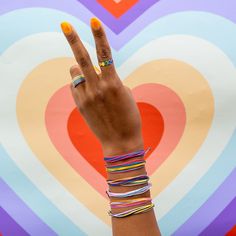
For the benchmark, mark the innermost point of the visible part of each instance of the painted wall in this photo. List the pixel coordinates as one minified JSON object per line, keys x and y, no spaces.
{"x":179,"y":58}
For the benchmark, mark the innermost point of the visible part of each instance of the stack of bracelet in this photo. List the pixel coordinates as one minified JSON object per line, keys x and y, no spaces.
{"x":132,"y":162}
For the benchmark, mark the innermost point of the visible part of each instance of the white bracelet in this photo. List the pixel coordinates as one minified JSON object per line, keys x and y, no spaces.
{"x":130,"y":193}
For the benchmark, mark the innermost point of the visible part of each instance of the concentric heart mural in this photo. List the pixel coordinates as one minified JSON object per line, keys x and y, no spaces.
{"x":179,"y":59}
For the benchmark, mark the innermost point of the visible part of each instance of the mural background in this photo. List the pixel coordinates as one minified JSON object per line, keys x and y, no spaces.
{"x":179,"y":58}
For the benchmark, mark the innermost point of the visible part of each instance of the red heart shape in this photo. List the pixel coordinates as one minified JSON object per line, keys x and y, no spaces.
{"x":89,"y":147}
{"x":165,"y":101}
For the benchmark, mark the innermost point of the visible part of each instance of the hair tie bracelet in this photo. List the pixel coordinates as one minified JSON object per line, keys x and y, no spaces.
{"x":138,"y":159}
{"x":127,"y":167}
{"x":134,"y":211}
{"x":121,"y":201}
{"x":130,"y":193}
{"x":125,"y":170}
{"x":129,"y":181}
{"x":127,"y":156}
{"x":130,"y":203}
{"x":134,"y":204}
{"x":133,"y":162}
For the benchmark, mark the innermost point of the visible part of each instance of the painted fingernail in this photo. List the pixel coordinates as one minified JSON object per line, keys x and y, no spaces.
{"x":95,"y":23}
{"x":66,"y":28}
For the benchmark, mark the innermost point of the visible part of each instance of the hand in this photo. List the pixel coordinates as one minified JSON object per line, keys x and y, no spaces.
{"x":105,"y":103}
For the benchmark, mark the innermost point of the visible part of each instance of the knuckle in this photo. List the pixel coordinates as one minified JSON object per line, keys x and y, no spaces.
{"x":104,"y":86}
{"x":94,"y":97}
{"x":83,"y":61}
{"x":104,"y":52}
{"x":112,"y":87}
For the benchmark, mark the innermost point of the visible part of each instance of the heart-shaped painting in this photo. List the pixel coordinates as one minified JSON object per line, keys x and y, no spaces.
{"x":178,"y":98}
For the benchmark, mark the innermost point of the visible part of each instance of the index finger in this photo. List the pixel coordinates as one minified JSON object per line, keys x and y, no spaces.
{"x":80,"y":53}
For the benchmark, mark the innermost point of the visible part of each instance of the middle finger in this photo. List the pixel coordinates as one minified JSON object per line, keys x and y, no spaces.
{"x":103,"y":48}
{"x":80,"y":53}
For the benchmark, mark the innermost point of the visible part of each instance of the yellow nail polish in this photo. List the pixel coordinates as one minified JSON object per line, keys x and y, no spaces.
{"x":66,"y":28}
{"x":95,"y":23}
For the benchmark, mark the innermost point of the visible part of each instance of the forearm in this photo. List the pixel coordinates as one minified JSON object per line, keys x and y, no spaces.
{"x":143,"y":224}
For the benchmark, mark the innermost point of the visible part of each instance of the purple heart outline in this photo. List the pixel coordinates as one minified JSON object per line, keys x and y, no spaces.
{"x":164,"y":7}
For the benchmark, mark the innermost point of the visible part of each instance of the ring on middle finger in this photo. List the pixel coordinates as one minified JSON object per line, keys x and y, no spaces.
{"x":106,"y":62}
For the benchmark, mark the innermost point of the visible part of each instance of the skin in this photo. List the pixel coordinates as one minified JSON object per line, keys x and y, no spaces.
{"x":112,"y":114}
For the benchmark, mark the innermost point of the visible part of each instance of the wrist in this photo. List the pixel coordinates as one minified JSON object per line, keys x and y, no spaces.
{"x":119,"y":148}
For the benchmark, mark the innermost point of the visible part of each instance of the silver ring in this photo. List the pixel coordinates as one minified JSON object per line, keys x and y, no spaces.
{"x":78,"y":80}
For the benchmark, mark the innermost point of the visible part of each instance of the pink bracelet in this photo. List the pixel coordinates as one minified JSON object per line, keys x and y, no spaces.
{"x":130,"y":203}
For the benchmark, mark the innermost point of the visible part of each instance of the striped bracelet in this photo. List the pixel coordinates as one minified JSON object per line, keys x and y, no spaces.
{"x":126,"y":156}
{"x":126,"y":162}
{"x":127,"y":167}
{"x":130,"y":193}
{"x":129,"y":181}
{"x":134,"y":211}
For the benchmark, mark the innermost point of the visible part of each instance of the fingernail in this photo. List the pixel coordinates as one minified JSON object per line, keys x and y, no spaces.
{"x":95,"y":23}
{"x":66,"y":28}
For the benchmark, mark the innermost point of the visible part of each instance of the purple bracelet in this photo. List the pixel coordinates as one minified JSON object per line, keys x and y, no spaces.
{"x":126,"y":156}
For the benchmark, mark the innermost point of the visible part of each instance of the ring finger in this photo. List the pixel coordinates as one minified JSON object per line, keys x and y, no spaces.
{"x":77,"y":78}
{"x":78,"y":91}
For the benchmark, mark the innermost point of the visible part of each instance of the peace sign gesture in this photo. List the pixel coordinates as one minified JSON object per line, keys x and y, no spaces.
{"x":106,"y":104}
